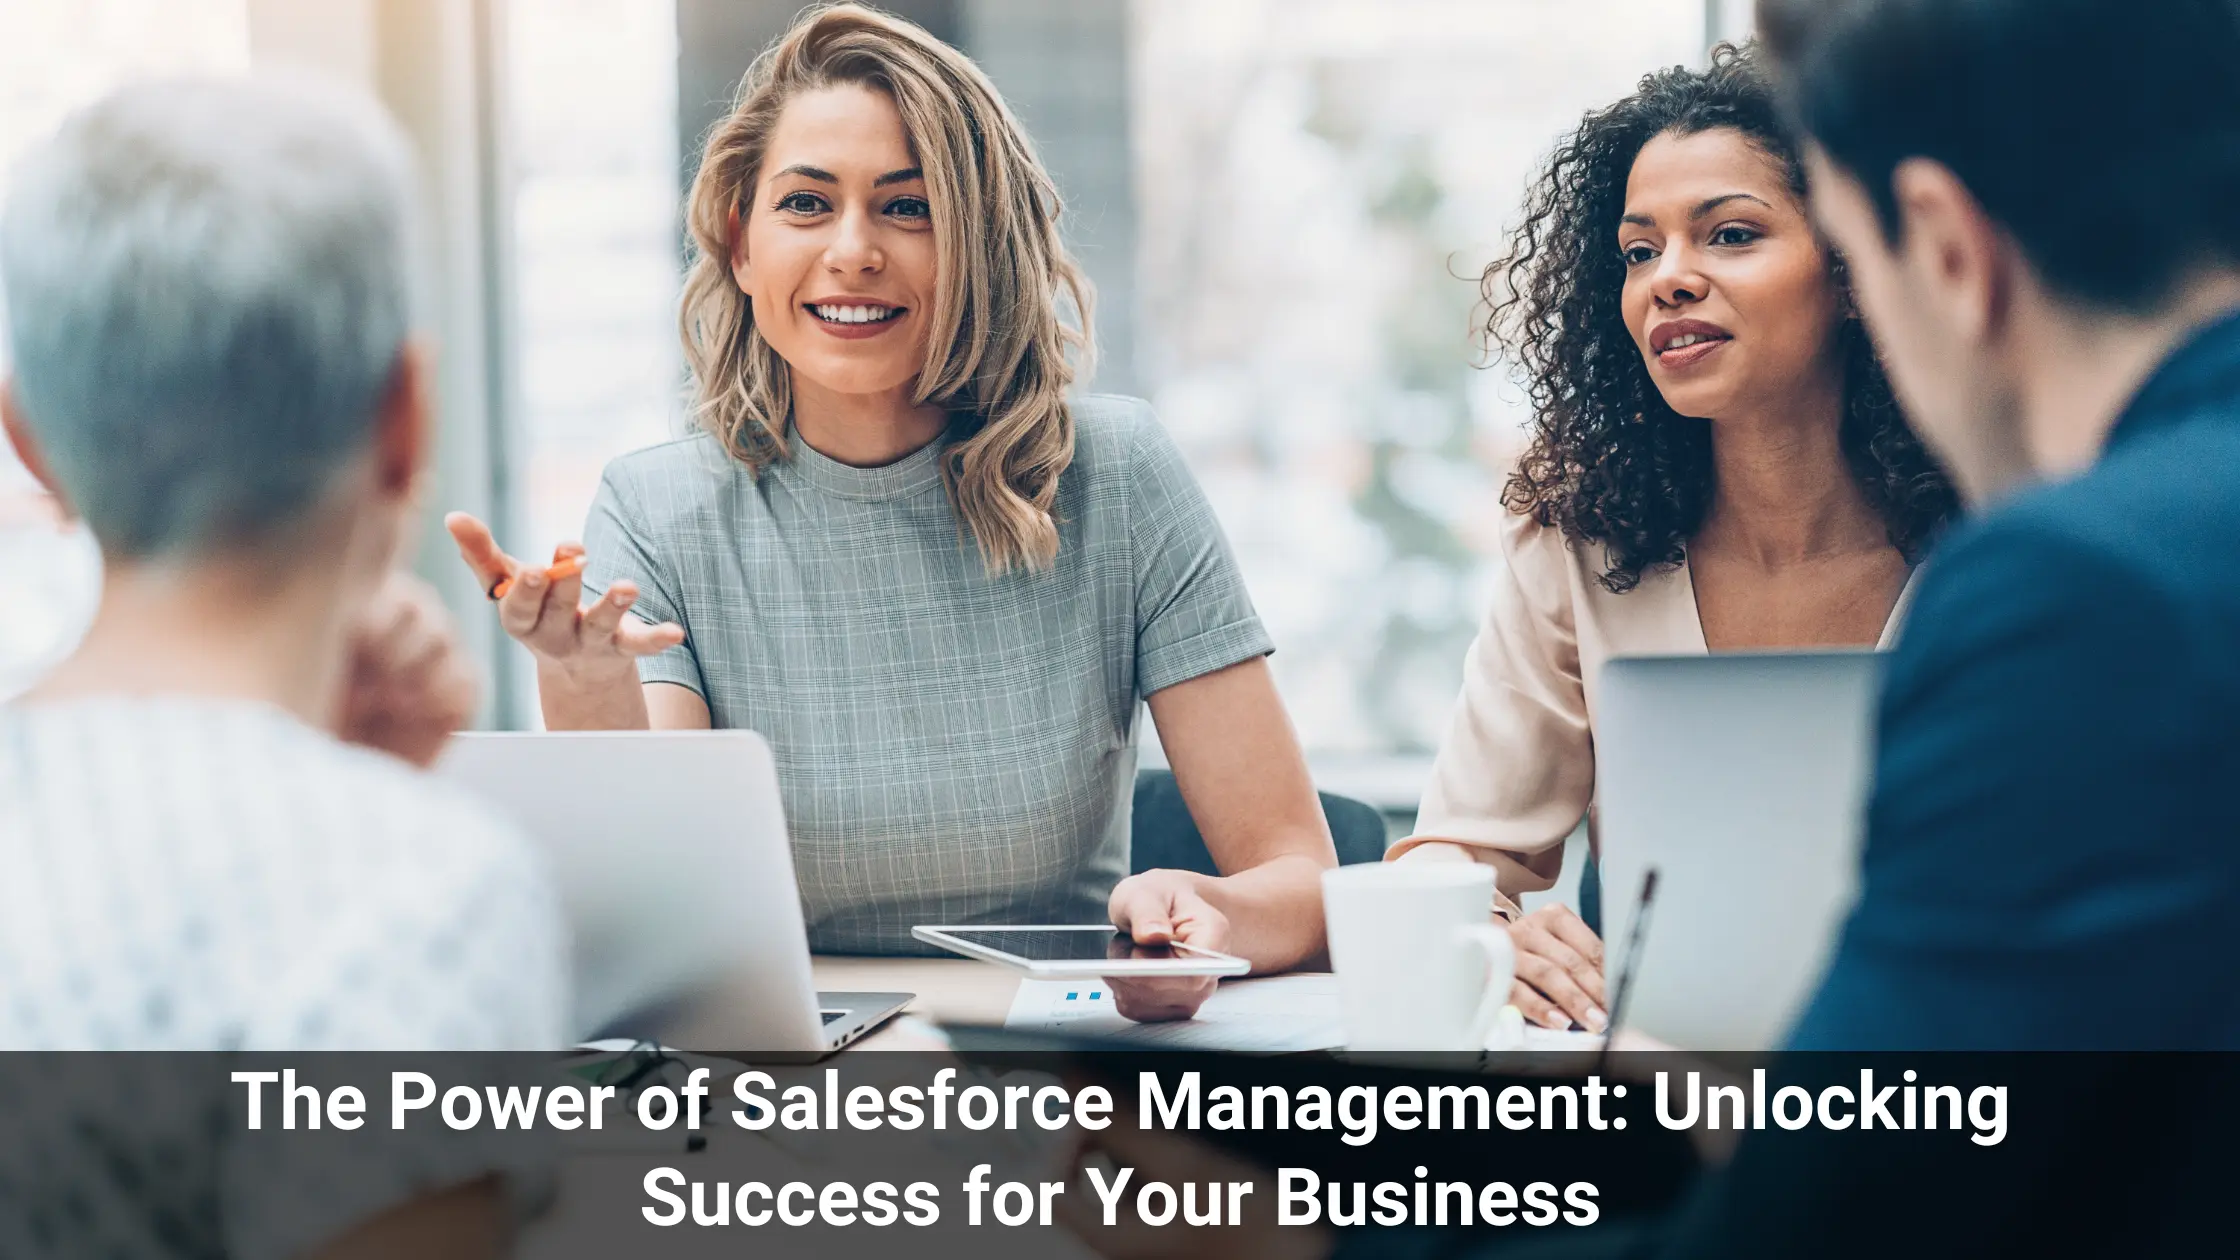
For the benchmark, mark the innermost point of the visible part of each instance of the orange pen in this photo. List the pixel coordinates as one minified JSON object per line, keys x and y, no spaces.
{"x":566,"y":567}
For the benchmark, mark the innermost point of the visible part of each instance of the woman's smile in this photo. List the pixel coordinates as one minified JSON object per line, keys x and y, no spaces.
{"x":1683,"y":343}
{"x":853,"y":319}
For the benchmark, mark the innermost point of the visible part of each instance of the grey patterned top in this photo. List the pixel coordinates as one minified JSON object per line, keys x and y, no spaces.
{"x":952,"y":748}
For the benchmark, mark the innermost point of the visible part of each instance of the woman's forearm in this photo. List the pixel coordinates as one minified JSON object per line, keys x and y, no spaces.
{"x":1515,"y":872}
{"x":602,"y":700}
{"x":1274,"y":912}
{"x":1247,"y":787}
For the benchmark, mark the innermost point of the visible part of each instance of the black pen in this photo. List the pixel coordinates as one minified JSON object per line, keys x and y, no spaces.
{"x":1634,"y":939}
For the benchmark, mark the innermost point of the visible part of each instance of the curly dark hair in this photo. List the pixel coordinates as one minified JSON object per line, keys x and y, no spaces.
{"x":1610,"y":461}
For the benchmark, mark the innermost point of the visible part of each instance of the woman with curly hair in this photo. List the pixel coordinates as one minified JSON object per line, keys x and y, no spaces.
{"x":1716,"y":463}
{"x":896,"y":548}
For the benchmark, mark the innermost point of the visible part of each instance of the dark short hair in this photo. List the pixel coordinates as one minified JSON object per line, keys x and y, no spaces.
{"x":1610,"y":461}
{"x":2103,"y":135}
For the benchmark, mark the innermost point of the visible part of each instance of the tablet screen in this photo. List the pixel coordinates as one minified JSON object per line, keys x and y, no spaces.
{"x":1065,"y":945}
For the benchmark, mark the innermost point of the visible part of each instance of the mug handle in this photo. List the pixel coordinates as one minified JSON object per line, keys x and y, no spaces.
{"x":1501,"y":971}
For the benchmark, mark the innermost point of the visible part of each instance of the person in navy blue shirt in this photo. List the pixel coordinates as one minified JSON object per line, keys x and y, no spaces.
{"x":2038,"y":201}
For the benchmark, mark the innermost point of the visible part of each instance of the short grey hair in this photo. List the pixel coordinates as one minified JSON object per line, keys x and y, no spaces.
{"x":208,"y":287}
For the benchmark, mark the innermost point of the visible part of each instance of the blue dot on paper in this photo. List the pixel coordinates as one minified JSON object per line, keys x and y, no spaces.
{"x":1094,"y":996}
{"x":1072,"y":996}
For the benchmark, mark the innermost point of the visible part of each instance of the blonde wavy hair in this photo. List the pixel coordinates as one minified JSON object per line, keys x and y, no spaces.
{"x":1000,"y":354}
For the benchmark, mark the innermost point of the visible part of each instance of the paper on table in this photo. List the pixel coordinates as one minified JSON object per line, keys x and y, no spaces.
{"x":1550,"y":1039}
{"x":1271,"y":1014}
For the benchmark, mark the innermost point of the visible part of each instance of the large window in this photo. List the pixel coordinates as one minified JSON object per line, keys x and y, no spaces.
{"x":592,"y":90}
{"x":1289,"y":220}
{"x":1319,"y":183}
{"x":1311,"y":187}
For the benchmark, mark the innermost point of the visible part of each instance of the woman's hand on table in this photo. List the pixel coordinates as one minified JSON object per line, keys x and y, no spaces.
{"x":543,"y":612}
{"x":1559,"y":970}
{"x":1160,"y":908}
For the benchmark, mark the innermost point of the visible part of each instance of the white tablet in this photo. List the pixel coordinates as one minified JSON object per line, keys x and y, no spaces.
{"x":1078,"y":952}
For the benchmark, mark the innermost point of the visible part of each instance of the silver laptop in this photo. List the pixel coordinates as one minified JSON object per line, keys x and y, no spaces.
{"x":670,"y":852}
{"x":1742,"y":778}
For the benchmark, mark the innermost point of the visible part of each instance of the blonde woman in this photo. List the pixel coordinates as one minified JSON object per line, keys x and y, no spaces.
{"x":897,"y":550}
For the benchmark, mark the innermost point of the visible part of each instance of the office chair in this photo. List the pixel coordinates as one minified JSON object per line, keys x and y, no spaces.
{"x":1164,"y":835}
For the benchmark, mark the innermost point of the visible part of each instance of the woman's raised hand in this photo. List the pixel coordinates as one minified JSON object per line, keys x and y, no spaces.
{"x":545,"y":614}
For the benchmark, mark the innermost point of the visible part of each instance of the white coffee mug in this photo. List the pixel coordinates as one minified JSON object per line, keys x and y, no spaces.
{"x":1420,"y":965}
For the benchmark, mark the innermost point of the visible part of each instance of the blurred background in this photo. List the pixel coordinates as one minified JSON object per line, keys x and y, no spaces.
{"x":1284,"y":205}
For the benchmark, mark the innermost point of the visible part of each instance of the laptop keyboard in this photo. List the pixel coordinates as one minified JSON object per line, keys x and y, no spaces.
{"x":834,"y":1017}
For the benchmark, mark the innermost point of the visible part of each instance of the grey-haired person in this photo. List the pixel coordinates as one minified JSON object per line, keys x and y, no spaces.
{"x":214,"y":824}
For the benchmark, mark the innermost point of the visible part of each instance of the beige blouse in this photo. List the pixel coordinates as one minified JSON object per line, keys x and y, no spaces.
{"x":1516,"y":771}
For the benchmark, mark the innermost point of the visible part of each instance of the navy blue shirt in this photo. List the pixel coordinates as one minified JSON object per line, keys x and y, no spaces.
{"x":2053,"y":839}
